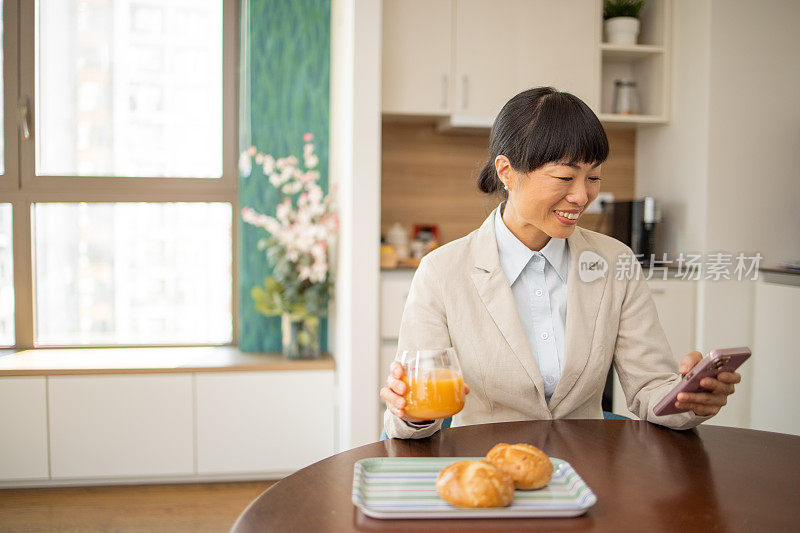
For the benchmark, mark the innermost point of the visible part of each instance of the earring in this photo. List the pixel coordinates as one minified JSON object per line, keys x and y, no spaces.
{"x":505,"y":187}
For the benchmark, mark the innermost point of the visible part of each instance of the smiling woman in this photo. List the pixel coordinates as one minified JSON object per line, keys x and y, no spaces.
{"x":500,"y":295}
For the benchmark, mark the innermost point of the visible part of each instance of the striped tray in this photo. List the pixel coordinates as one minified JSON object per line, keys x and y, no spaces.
{"x":405,"y":487}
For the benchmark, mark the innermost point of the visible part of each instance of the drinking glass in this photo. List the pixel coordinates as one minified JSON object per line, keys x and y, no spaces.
{"x":435,"y":386}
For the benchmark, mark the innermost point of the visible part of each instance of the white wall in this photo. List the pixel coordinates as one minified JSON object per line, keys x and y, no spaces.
{"x":726,"y":168}
{"x":754,"y":144}
{"x":753,"y":178}
{"x":355,"y":168}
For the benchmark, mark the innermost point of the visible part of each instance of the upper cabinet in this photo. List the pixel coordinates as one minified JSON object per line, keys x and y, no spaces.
{"x":463,"y":59}
{"x":417,"y":56}
{"x":506,"y":46}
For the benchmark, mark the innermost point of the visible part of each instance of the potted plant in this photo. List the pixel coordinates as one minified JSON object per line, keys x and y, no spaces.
{"x":297,"y":248}
{"x":621,"y":20}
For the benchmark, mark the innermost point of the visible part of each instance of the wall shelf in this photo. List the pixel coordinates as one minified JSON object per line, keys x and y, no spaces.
{"x":611,"y":118}
{"x":617,"y":52}
{"x":646,"y":63}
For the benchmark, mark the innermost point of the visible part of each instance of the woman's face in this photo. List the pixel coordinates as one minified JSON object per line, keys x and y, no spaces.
{"x":548,"y":200}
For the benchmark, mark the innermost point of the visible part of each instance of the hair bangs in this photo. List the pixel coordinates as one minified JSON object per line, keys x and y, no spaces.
{"x":563,"y":130}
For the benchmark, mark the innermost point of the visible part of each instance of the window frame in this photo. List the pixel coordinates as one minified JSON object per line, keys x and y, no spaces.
{"x":21,"y":187}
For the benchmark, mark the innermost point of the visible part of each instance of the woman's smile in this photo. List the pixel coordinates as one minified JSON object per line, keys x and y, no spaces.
{"x":568,"y":217}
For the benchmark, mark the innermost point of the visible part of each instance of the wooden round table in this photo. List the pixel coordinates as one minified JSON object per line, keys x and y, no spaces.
{"x":646,"y":478}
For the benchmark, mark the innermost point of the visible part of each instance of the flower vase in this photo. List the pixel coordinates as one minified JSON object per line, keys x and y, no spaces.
{"x":300,"y":337}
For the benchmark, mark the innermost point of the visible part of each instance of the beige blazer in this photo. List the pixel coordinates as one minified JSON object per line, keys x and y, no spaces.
{"x":460,"y":297}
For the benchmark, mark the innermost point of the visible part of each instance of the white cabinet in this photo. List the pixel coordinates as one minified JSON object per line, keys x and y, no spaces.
{"x":23,"y":428}
{"x":417,"y":49}
{"x":675,"y":301}
{"x":395,"y":286}
{"x":274,"y":422}
{"x":121,"y":425}
{"x":506,"y":46}
{"x":776,"y":358}
{"x":466,"y":58}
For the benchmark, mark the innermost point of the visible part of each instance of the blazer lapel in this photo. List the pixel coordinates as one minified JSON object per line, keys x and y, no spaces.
{"x":583,"y":305}
{"x":495,"y":292}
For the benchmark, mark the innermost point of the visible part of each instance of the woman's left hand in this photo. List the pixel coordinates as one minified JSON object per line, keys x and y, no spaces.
{"x":719,"y":388}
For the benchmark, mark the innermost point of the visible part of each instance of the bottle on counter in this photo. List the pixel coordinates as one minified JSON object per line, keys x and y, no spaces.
{"x":397,"y":236}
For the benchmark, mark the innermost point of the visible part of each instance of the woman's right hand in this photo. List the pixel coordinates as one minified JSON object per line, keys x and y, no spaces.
{"x":394,"y":393}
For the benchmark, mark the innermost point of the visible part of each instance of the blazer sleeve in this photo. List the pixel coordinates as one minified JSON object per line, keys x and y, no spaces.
{"x":643,"y":359}
{"x":424,"y":325}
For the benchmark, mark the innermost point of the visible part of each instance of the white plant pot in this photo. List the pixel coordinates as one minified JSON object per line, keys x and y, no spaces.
{"x":622,"y":30}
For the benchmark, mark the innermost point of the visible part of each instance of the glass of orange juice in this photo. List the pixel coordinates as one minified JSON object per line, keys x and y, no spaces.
{"x":435,"y":384}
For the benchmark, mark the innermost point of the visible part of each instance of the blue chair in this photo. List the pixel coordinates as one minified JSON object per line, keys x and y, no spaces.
{"x":449,"y":420}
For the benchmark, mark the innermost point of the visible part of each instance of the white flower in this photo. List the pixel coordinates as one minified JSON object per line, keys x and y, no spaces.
{"x":318,"y":250}
{"x":283,"y":211}
{"x":318,"y":271}
{"x":302,"y":230}
{"x":303,"y":272}
{"x":269,"y":165}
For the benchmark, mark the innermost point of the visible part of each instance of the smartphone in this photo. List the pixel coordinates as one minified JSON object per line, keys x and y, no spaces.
{"x":723,"y":360}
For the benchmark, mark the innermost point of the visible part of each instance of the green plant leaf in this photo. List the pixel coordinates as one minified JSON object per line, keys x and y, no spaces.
{"x":622,"y":8}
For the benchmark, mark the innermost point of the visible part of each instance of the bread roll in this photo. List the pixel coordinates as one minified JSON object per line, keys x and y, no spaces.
{"x":475,"y":484}
{"x":528,"y":466}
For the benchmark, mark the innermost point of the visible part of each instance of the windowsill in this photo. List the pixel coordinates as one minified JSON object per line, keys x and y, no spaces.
{"x":83,"y":361}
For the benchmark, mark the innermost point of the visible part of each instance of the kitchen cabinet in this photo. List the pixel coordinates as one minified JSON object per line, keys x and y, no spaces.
{"x":675,"y":301}
{"x":163,"y":426}
{"x":23,"y":428}
{"x":506,"y":46}
{"x":775,"y":361}
{"x":121,"y":425}
{"x":466,"y":58}
{"x":417,"y":49}
{"x":395,"y":286}
{"x":271,"y":422}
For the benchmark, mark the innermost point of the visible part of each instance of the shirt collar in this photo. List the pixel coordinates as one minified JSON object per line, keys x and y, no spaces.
{"x":514,"y":255}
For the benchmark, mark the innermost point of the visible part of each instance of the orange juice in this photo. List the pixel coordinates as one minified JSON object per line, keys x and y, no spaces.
{"x":435,"y":393}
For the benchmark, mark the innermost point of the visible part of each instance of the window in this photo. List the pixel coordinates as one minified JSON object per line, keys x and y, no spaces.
{"x":129,"y":88}
{"x":122,"y":193}
{"x":6,"y":278}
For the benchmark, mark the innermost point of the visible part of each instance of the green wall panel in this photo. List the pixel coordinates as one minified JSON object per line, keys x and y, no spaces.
{"x":290,"y":95}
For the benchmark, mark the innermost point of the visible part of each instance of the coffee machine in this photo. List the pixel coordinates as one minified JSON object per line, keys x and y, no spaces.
{"x":634,"y":223}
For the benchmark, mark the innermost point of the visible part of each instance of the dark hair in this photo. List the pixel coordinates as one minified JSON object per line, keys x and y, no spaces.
{"x":540,"y":126}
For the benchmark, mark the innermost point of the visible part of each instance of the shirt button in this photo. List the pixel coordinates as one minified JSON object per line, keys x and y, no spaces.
{"x":539,"y":292}
{"x":549,"y":380}
{"x":545,"y":336}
